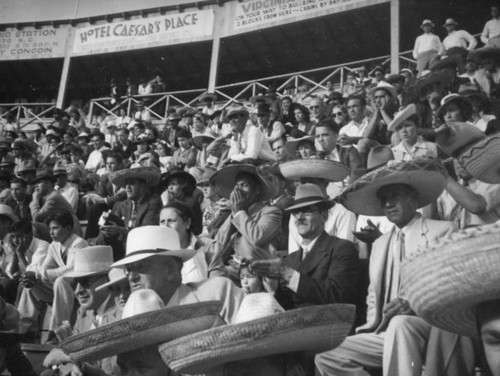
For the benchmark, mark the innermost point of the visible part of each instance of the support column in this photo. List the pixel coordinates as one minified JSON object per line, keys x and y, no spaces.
{"x":394,"y":36}
{"x":65,"y":70}
{"x":214,"y":61}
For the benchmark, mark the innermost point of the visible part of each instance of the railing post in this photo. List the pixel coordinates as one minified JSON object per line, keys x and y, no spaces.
{"x":394,"y":36}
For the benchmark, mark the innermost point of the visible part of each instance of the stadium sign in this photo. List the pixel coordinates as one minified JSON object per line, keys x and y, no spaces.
{"x":33,"y":43}
{"x":143,"y":33}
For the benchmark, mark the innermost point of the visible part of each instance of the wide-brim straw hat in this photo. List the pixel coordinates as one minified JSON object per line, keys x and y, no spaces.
{"x":202,"y":138}
{"x":186,"y":111}
{"x":314,"y":168}
{"x":191,"y":180}
{"x":292,"y":145}
{"x":91,"y":261}
{"x":151,"y":175}
{"x":7,"y":211}
{"x":313,"y":329}
{"x":307,"y":195}
{"x":427,"y":177}
{"x":440,"y":78}
{"x":457,"y":137}
{"x":142,"y":330}
{"x":207,"y":95}
{"x":481,"y":159}
{"x":225,"y":179}
{"x":478,"y":54}
{"x":235,"y":110}
{"x":401,"y":116}
{"x":385,"y":86}
{"x":378,"y":156}
{"x":445,"y":282}
{"x":147,"y":241}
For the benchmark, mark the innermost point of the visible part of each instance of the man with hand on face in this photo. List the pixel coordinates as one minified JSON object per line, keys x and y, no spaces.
{"x":253,"y":223}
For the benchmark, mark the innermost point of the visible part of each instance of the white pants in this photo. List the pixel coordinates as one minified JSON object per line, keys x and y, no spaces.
{"x":401,"y":350}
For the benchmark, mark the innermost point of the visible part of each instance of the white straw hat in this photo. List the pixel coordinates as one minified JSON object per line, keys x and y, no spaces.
{"x":91,"y":260}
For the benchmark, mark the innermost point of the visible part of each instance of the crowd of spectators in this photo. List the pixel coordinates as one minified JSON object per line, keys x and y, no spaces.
{"x":312,"y":197}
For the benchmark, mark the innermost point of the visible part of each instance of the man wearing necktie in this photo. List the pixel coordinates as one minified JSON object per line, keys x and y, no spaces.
{"x":393,"y":337}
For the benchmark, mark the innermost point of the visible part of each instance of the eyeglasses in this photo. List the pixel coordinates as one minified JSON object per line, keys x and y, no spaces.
{"x":136,"y":267}
{"x":307,"y":212}
{"x":86,"y":282}
{"x":336,"y":114}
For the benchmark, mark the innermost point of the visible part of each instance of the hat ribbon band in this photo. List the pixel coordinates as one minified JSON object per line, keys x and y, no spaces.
{"x":157,"y":250}
{"x":309,"y":199}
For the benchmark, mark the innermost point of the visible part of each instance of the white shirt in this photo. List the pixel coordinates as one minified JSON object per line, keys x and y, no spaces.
{"x":427,"y":42}
{"x":35,"y":255}
{"x":460,"y":38}
{"x":250,"y":144}
{"x":421,"y":149}
{"x":353,"y":129}
{"x":491,"y":30}
{"x":70,"y":193}
{"x":95,"y":160}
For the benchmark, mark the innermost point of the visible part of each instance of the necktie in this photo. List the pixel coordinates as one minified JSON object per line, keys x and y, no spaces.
{"x":64,"y":256}
{"x":133,"y":216}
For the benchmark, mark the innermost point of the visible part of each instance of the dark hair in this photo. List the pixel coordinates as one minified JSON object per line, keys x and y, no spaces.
{"x":98,"y":134}
{"x":330,"y":124}
{"x":118,"y":157}
{"x":183,"y":132}
{"x":304,"y":110}
{"x":125,"y":130}
{"x":23,"y":226}
{"x":362,"y":99}
{"x":282,"y":138}
{"x":182,"y":210}
{"x":62,"y":217}
{"x":16,"y":180}
{"x":188,"y":188}
{"x":154,"y":130}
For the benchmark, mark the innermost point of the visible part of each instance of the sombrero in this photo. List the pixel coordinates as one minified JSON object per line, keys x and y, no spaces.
{"x":385,"y":86}
{"x":481,"y":159}
{"x":313,"y":329}
{"x":401,"y":116}
{"x":441,"y":78}
{"x":224,"y":180}
{"x":445,"y":282}
{"x":427,"y":177}
{"x":207,"y":95}
{"x":151,"y":175}
{"x":202,"y":138}
{"x":484,"y":52}
{"x":292,"y":144}
{"x":314,"y":168}
{"x":142,"y":330}
{"x":457,"y":137}
{"x":185,"y":111}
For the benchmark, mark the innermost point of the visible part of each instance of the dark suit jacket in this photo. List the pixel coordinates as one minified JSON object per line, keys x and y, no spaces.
{"x":105,"y":189}
{"x":328,"y":274}
{"x":148,"y":210}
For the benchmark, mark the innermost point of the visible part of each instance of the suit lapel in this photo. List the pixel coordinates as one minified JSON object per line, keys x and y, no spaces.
{"x":315,"y":255}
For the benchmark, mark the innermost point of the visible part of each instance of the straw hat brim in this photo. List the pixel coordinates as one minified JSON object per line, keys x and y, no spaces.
{"x":445,"y":282}
{"x":401,"y":116}
{"x":392,"y":92}
{"x":181,"y":174}
{"x":200,"y":139}
{"x":312,"y":329}
{"x":460,"y":101}
{"x":324,"y":203}
{"x":77,"y":274}
{"x":142,"y":330}
{"x":426,"y":176}
{"x":111,"y":283}
{"x":314,"y":168}
{"x":224,"y":180}
{"x":292,"y":145}
{"x":151,"y":175}
{"x":183,"y":254}
{"x":481,"y":159}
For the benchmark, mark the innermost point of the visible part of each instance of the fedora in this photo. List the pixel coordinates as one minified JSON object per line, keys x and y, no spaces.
{"x":312,"y":329}
{"x":378,"y":156}
{"x":7,"y":161}
{"x":314,"y":168}
{"x":450,"y":21}
{"x":209,"y":96}
{"x":378,"y":68}
{"x":236,"y":110}
{"x":307,"y":195}
{"x":446,"y":281}
{"x":143,"y":138}
{"x":190,"y":179}
{"x":292,"y":145}
{"x":406,"y":70}
{"x":385,"y":86}
{"x":481,"y":159}
{"x":457,"y":136}
{"x":401,"y":116}
{"x":59,"y":168}
{"x":147,"y":241}
{"x":427,"y":177}
{"x":91,"y":261}
{"x":26,"y":165}
{"x":462,"y":102}
{"x":115,"y":276}
{"x":173,"y":116}
{"x":84,"y":135}
{"x":142,"y":328}
{"x":427,"y":22}
{"x":224,"y":180}
{"x":186,"y":111}
{"x":200,"y":139}
{"x":7,"y":211}
{"x":151,"y":175}
{"x":44,"y":174}
{"x":470,"y":89}
{"x":206,"y":175}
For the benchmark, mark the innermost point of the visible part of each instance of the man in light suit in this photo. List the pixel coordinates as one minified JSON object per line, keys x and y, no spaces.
{"x":325,"y":269}
{"x":154,"y":261}
{"x":393,"y":337}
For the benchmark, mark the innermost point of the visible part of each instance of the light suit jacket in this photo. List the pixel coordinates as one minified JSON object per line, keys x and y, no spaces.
{"x":423,"y":231}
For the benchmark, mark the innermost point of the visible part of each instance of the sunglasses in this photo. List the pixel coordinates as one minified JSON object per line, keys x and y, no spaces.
{"x":85,"y":282}
{"x":337,"y":114}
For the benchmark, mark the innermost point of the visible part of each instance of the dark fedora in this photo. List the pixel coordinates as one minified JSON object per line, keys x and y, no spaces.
{"x":44,"y":174}
{"x":307,"y":195}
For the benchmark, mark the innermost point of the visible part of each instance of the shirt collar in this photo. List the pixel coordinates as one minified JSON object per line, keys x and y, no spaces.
{"x":307,"y":248}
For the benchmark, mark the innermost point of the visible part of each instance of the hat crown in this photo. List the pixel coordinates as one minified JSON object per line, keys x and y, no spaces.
{"x":6,"y":210}
{"x":307,"y":191}
{"x":142,"y":301}
{"x":147,"y":238}
{"x":93,"y":259}
{"x":378,"y":156}
{"x":256,"y":306}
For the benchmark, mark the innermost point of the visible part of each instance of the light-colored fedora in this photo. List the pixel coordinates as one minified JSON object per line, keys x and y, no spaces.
{"x":427,"y":22}
{"x":115,"y":276}
{"x":314,"y":168}
{"x":401,"y":116}
{"x":312,"y":329}
{"x":378,"y":156}
{"x":238,"y":109}
{"x":427,"y":177}
{"x":151,"y":175}
{"x":91,"y":261}
{"x":147,"y":241}
{"x":385,"y":86}
{"x":148,"y":324}
{"x":446,"y":281}
{"x":207,"y":95}
{"x":200,"y":139}
{"x":292,"y":145}
{"x":307,"y":195}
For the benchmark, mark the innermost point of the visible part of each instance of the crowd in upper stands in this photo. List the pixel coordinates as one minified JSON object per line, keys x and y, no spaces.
{"x":315,"y":196}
